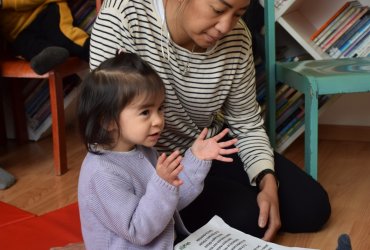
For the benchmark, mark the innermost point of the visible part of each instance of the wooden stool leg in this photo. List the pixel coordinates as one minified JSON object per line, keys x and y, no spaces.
{"x":20,"y":121}
{"x":58,"y":129}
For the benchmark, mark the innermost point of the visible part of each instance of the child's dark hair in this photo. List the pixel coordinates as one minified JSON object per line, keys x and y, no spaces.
{"x":107,"y":90}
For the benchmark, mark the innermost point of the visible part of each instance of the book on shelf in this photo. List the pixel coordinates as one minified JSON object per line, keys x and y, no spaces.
{"x":290,"y":100}
{"x":345,"y":26}
{"x":353,"y":11}
{"x":295,"y":123}
{"x":329,"y":21}
{"x":361,"y":48}
{"x":284,"y":125}
{"x":37,"y":106}
{"x":84,"y":14}
{"x":285,"y":137}
{"x":37,"y":98}
{"x":281,"y":88}
{"x":288,"y":112}
{"x":30,"y":86}
{"x":333,"y":26}
{"x":356,"y":37}
{"x":360,"y":41}
{"x":44,"y":128}
{"x":290,"y":126}
{"x":349,"y":36}
{"x":363,"y":51}
{"x":39,"y":116}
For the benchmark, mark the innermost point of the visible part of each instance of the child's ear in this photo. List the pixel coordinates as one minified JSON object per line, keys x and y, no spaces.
{"x":111,"y":126}
{"x":108,"y":125}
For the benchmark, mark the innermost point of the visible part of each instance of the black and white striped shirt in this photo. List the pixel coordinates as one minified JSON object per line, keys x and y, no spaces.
{"x":202,"y":89}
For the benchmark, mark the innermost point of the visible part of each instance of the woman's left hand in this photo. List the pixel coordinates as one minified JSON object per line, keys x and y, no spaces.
{"x":211,"y":149}
{"x":268,"y":203}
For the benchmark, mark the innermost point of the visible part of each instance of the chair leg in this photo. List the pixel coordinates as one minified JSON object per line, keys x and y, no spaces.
{"x":2,"y":122}
{"x":19,"y":113}
{"x":58,"y":128}
{"x":311,"y":133}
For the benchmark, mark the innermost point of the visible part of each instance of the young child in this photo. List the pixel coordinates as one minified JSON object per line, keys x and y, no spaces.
{"x":129,"y":196}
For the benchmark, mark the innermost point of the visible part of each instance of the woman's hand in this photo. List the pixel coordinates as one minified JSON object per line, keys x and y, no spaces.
{"x":268,"y":203}
{"x":169,"y":168}
{"x":211,"y":149}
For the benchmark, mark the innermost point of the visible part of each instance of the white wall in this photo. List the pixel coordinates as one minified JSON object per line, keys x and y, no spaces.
{"x":349,"y":109}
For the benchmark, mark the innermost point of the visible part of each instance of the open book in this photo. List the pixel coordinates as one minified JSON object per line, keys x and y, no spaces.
{"x":217,"y":235}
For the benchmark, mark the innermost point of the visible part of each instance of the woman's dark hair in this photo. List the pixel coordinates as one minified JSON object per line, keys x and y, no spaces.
{"x":107,"y":90}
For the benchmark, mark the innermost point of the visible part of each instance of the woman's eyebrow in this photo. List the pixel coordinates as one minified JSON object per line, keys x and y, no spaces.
{"x":230,"y":6}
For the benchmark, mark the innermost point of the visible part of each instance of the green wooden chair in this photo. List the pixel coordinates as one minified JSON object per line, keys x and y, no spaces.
{"x":313,"y":78}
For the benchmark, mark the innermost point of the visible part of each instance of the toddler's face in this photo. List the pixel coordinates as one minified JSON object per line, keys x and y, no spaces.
{"x":141,"y":123}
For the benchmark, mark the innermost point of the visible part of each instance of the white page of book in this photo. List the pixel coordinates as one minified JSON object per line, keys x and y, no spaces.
{"x":217,"y":235}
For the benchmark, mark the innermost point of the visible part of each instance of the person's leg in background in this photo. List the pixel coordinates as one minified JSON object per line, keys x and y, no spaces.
{"x":44,"y":44}
{"x":6,"y":179}
{"x":62,"y":33}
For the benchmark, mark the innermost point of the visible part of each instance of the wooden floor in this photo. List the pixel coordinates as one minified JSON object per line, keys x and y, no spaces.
{"x":344,"y":171}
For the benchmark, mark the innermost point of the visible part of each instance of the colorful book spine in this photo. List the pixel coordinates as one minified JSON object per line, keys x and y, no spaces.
{"x":352,"y":10}
{"x":358,"y":14}
{"x":365,"y":51}
{"x":290,"y":128}
{"x":329,"y":21}
{"x":350,"y":50}
{"x":289,"y":99}
{"x":288,"y":123}
{"x":362,"y":45}
{"x":284,"y":116}
{"x":336,"y":22}
{"x":284,"y":98}
{"x":364,"y":29}
{"x":349,"y":34}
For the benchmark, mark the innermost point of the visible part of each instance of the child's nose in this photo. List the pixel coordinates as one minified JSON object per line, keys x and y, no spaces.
{"x":158,"y":120}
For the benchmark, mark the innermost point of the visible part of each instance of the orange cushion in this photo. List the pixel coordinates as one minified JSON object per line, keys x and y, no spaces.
{"x":57,"y":228}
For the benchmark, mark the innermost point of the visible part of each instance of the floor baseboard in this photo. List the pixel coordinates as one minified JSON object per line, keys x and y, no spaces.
{"x":344,"y":133}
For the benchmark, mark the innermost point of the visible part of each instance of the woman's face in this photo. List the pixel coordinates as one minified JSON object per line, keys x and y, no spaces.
{"x":207,"y":21}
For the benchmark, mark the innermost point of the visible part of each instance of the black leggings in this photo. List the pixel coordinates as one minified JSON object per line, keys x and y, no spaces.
{"x":304,"y":204}
{"x":44,"y":32}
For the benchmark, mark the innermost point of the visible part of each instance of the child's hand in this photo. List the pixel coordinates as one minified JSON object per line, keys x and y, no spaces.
{"x":211,"y":149}
{"x":169,"y":168}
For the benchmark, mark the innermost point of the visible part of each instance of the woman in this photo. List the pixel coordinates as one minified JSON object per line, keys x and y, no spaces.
{"x":203,"y":52}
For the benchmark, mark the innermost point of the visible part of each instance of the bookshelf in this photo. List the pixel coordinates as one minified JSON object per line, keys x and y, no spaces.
{"x":37,"y":105}
{"x":300,"y":19}
{"x":315,"y":78}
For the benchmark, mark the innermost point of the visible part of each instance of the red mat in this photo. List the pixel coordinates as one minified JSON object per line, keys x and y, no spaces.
{"x":10,"y":214}
{"x":57,"y":228}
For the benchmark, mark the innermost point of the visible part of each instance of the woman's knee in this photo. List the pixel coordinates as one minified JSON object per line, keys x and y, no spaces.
{"x":304,"y":203}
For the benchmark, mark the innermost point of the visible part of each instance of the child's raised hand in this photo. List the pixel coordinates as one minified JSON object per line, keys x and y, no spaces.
{"x":211,"y":149}
{"x":169,"y":168}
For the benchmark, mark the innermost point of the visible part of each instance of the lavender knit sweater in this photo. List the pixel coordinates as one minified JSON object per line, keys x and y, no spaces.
{"x":124,"y":204}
